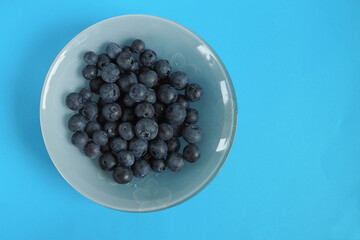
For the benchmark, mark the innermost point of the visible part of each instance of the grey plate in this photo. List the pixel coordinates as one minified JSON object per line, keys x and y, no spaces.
{"x":187,"y":52}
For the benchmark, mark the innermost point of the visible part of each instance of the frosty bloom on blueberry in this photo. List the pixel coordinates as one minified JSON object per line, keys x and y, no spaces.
{"x":134,"y":112}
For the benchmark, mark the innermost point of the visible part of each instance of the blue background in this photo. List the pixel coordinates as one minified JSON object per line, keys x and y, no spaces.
{"x":294,"y":171}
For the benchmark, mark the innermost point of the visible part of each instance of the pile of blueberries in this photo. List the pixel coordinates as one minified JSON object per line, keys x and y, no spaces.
{"x":136,"y":123}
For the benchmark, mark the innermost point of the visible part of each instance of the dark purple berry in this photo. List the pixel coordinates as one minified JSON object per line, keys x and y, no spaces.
{"x":92,"y":150}
{"x":107,"y":161}
{"x":89,"y":72}
{"x":118,"y":144}
{"x":193,"y":92}
{"x":113,"y":50}
{"x":173,"y":144}
{"x":138,"y":46}
{"x":125,"y":80}
{"x":141,"y":168}
{"x":111,"y":129}
{"x":126,"y":158}
{"x":100,"y":137}
{"x":146,"y":129}
{"x":175,"y":114}
{"x":122,"y":175}
{"x":157,"y":165}
{"x":95,"y":84}
{"x":103,"y":59}
{"x":109,"y":92}
{"x":74,"y":101}
{"x":111,"y":111}
{"x":86,"y":94}
{"x":174,"y":161}
{"x":79,"y":139}
{"x":138,"y":147}
{"x":91,"y":58}
{"x":77,"y":123}
{"x":179,"y":80}
{"x":162,"y":68}
{"x":192,"y":116}
{"x":192,"y":133}
{"x":191,"y":153}
{"x":148,"y":57}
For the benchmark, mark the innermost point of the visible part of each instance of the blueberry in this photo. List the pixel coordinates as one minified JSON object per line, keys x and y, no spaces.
{"x":138,"y":147}
{"x":118,"y":144}
{"x":91,"y":127}
{"x":166,"y":131}
{"x":89,"y":72}
{"x":146,"y":129}
{"x":158,"y":148}
{"x":126,"y":130}
{"x":79,"y":139}
{"x":125,"y":60}
{"x":125,"y":80}
{"x":148,"y":57}
{"x":191,"y":153}
{"x":95,"y":84}
{"x":74,"y":101}
{"x":159,"y":110}
{"x":126,"y":158}
{"x":86,"y":94}
{"x":138,"y":46}
{"x":148,"y":78}
{"x":192,"y":116}
{"x":135,"y":66}
{"x":127,"y":115}
{"x":110,"y":73}
{"x":150,"y":96}
{"x":126,"y":49}
{"x":100,"y":137}
{"x":105,"y":148}
{"x":175,"y":114}
{"x":141,"y":168}
{"x":157,"y":165}
{"x":103,"y":59}
{"x":111,"y":129}
{"x":77,"y":123}
{"x":162,"y":68}
{"x":92,"y":150}
{"x":111,"y":111}
{"x":183,"y":101}
{"x":107,"y":161}
{"x":127,"y":101}
{"x":122,"y":175}
{"x":144,"y":110}
{"x":193,"y":92}
{"x":177,"y":129}
{"x":166,"y":94}
{"x":192,"y":133}
{"x":173,"y":144}
{"x":179,"y":80}
{"x":113,"y":50}
{"x":109,"y":92}
{"x":90,"y":110}
{"x":138,"y":92}
{"x":91,"y":58}
{"x":174,"y":161}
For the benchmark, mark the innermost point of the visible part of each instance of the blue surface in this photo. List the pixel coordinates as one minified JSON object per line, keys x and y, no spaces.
{"x":294,"y":170}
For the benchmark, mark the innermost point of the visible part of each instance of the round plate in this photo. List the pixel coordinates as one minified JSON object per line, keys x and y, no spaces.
{"x":186,"y":52}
